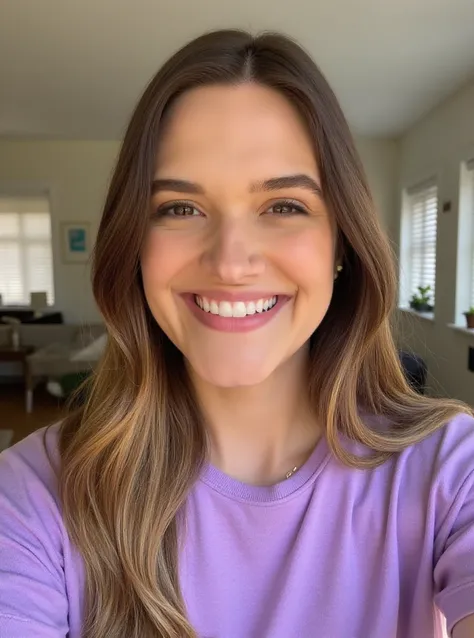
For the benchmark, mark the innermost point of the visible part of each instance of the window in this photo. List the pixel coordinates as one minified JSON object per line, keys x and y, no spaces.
{"x":418,"y":241}
{"x":465,"y":249}
{"x":26,"y":262}
{"x":470,"y":176}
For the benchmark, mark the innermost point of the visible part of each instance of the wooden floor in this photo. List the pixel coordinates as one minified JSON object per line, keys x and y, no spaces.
{"x":46,"y":409}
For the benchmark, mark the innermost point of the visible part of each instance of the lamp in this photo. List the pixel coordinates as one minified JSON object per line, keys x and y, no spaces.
{"x":38,"y":302}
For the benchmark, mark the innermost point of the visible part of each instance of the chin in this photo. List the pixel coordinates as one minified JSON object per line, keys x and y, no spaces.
{"x":233,"y":376}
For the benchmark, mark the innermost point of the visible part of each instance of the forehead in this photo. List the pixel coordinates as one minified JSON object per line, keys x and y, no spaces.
{"x":244,"y":127}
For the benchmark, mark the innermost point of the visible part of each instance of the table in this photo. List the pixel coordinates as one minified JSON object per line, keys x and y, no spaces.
{"x":20,"y":354}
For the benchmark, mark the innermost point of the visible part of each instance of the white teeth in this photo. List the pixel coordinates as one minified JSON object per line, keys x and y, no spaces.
{"x":236,"y":308}
{"x":225,"y":309}
{"x":239,"y":309}
{"x":251,"y":307}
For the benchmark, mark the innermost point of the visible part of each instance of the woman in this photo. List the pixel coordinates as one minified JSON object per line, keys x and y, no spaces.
{"x":250,"y":461}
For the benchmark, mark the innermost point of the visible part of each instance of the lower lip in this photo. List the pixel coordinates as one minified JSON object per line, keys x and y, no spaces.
{"x":234,"y":324}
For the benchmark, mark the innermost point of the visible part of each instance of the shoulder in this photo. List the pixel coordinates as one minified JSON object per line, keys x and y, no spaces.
{"x":449,"y":447}
{"x":34,"y":546}
{"x":434,"y":472}
{"x":448,"y":452}
{"x":36,"y":455}
{"x":436,"y":475}
{"x":447,"y":456}
{"x":28,"y":478}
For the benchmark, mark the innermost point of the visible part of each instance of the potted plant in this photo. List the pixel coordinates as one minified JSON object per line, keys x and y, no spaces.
{"x":470,"y":317}
{"x":421,"y":301}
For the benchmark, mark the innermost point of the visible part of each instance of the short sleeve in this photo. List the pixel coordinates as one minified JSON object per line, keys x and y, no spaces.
{"x":33,"y":599}
{"x":454,"y":543}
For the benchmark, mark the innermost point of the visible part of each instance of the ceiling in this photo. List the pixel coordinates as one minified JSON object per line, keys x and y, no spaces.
{"x":74,"y":68}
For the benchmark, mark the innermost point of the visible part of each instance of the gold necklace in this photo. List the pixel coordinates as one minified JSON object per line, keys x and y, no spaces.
{"x":291,"y":472}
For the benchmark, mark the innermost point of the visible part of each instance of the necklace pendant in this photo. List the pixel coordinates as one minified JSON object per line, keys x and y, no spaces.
{"x":291,"y":472}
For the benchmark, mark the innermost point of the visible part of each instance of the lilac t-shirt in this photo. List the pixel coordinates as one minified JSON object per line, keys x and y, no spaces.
{"x":331,"y":552}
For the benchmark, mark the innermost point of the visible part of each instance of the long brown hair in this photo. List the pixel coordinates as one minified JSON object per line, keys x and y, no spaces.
{"x":131,"y":453}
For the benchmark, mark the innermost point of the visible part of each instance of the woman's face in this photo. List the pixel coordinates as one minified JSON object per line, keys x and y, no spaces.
{"x":238,"y":265}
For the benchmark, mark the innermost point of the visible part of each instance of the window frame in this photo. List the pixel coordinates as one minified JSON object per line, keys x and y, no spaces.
{"x":465,"y":242}
{"x":405,"y":258}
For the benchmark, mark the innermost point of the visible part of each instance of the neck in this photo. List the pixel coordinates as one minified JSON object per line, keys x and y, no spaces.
{"x":258,"y":434}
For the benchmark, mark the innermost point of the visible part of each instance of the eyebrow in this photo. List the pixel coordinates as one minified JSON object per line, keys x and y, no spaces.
{"x":289,"y":181}
{"x":176,"y":186}
{"x":273,"y":184}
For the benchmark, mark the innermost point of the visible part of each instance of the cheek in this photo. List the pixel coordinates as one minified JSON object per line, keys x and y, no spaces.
{"x":161,"y":259}
{"x":309,"y":259}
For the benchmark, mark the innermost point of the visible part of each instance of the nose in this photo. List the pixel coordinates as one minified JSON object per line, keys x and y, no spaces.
{"x":234,"y":254}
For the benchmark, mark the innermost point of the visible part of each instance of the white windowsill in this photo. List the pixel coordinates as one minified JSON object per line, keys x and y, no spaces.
{"x":464,"y":329}
{"x":427,"y":316}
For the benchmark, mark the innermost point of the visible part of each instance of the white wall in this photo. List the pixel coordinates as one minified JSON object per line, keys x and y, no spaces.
{"x":437,"y":146}
{"x":381,"y":163}
{"x":77,"y":174}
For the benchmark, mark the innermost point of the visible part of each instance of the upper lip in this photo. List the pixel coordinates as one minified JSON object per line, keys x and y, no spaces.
{"x":249,"y":295}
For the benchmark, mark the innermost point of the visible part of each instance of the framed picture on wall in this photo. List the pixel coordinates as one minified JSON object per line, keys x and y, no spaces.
{"x":76,"y":242}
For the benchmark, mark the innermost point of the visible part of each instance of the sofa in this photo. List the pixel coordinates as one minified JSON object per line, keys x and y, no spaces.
{"x":56,"y":347}
{"x":56,"y":351}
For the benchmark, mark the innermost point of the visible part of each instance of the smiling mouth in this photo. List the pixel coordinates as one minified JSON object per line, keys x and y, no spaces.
{"x":236,"y":309}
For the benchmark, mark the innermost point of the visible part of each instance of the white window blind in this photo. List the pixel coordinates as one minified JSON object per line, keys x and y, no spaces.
{"x":26,"y":260}
{"x":470,"y":168}
{"x":423,"y":213}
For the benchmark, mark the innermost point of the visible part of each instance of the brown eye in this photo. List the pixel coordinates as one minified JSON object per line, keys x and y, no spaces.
{"x":283,"y":209}
{"x":182,"y":210}
{"x":178,"y":209}
{"x":287,"y":209}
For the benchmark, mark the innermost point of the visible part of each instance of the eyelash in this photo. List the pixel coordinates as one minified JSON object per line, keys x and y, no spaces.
{"x":299,"y":209}
{"x":163,"y":211}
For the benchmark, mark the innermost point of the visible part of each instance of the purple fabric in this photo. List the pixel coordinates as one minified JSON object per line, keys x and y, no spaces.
{"x":331,"y":552}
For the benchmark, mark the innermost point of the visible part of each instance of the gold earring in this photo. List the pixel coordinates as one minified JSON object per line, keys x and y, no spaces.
{"x":338,"y":270}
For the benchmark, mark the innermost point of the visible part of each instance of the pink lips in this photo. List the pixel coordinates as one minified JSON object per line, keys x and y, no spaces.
{"x":234,"y":324}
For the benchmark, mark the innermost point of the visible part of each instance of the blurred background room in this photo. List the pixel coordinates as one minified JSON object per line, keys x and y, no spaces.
{"x":70,"y":74}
